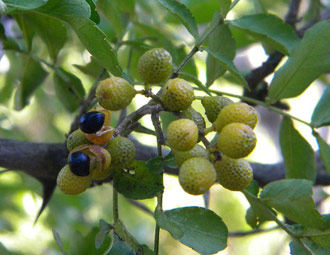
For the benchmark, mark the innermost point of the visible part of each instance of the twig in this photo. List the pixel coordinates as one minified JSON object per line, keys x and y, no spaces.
{"x":86,"y":103}
{"x":140,"y":206}
{"x":252,"y":232}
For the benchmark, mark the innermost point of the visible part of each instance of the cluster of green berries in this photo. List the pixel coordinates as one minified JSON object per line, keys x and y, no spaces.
{"x":95,"y":153}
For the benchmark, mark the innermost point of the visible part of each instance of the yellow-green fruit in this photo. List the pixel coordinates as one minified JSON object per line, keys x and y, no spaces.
{"x":213,"y":105}
{"x":114,"y":93}
{"x":182,"y":156}
{"x":197,"y":175}
{"x":192,"y":114}
{"x":182,"y":134}
{"x":155,"y":66}
{"x":234,"y":174}
{"x":237,"y":140}
{"x":102,"y":163}
{"x":236,"y":113}
{"x":75,"y":139}
{"x":177,"y":94}
{"x":122,"y":152}
{"x":72,"y":184}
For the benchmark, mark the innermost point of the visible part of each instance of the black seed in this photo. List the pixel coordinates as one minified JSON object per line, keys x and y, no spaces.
{"x":92,"y":122}
{"x":79,"y":163}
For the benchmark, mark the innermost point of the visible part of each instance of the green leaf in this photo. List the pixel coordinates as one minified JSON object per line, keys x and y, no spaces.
{"x":111,"y":13}
{"x":94,"y":15}
{"x":308,"y":61}
{"x":69,"y":89}
{"x":296,"y":249}
{"x":52,"y":31}
{"x":258,"y":207}
{"x":293,"y":198}
{"x":183,"y":13}
{"x":324,"y":152}
{"x":269,"y":29}
{"x":92,"y":68}
{"x":299,"y":159}
{"x":26,"y":29}
{"x":225,"y":7}
{"x":199,"y":228}
{"x":102,"y":234}
{"x":32,"y":77}
{"x":13,"y":5}
{"x":169,"y":161}
{"x":228,"y":65}
{"x":77,"y":14}
{"x":85,"y":245}
{"x":155,"y":165}
{"x":321,"y":114}
{"x":138,"y":182}
{"x":59,"y":242}
{"x":195,"y":80}
{"x":221,"y":42}
{"x":120,"y":247}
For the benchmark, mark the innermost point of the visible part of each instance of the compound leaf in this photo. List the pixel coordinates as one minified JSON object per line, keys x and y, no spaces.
{"x":321,"y":114}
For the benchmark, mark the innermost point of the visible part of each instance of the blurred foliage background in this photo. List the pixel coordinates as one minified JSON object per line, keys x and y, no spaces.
{"x":46,"y":120}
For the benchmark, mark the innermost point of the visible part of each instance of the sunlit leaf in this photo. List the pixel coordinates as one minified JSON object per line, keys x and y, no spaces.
{"x":298,"y":154}
{"x":321,"y":114}
{"x":308,"y":61}
{"x":294,"y":199}
{"x":324,"y":152}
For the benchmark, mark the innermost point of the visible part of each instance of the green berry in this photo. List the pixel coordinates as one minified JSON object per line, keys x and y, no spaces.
{"x":213,"y":105}
{"x":75,"y":139}
{"x":233,"y":174}
{"x":182,"y":134}
{"x":237,"y":140}
{"x":182,"y":156}
{"x":114,"y":93}
{"x":236,"y":113}
{"x":72,"y":184}
{"x":177,"y":94}
{"x":122,"y":152}
{"x":155,"y":66}
{"x":197,"y":175}
{"x":195,"y":116}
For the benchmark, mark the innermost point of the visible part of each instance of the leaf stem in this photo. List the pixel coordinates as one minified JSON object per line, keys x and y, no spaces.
{"x":160,"y":142}
{"x":115,"y":206}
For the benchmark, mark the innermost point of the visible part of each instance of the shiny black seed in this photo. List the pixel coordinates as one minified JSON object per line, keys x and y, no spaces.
{"x":92,"y":122}
{"x":79,"y":163}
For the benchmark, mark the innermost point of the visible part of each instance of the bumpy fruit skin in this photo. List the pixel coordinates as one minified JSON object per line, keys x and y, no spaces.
{"x":75,"y":139}
{"x":237,"y":140}
{"x":122,"y":151}
{"x":182,"y":134}
{"x":196,"y":175}
{"x":192,"y":114}
{"x":213,"y":105}
{"x":155,"y":66}
{"x":234,"y":174}
{"x":182,"y":156}
{"x":72,"y":184}
{"x":177,"y":94}
{"x":114,"y":93}
{"x":236,"y":113}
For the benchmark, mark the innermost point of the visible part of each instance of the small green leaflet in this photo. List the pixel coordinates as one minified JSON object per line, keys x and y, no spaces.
{"x":32,"y":77}
{"x":308,"y":61}
{"x":68,"y":88}
{"x":228,"y":65}
{"x":138,"y":181}
{"x":221,"y":42}
{"x":270,"y":29}
{"x":58,"y":241}
{"x":294,"y":199}
{"x":321,"y":114}
{"x":298,"y":155}
{"x":102,"y":234}
{"x":183,"y":13}
{"x":296,"y":249}
{"x":199,"y":228}
{"x":324,"y":151}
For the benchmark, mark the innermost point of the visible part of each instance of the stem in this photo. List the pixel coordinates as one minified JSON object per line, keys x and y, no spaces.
{"x":115,"y":206}
{"x":195,"y":49}
{"x":160,"y":142}
{"x":255,"y":101}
